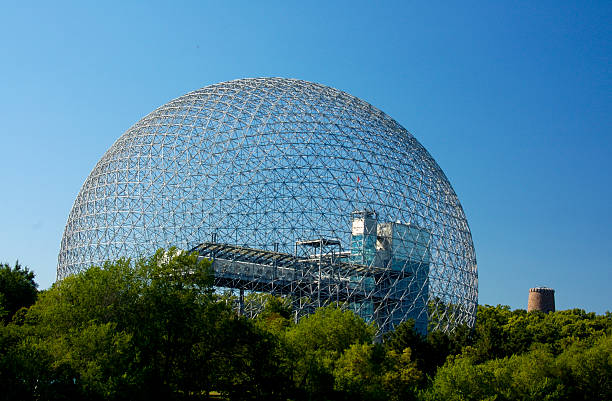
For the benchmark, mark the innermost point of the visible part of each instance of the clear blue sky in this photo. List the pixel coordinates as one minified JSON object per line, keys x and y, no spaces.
{"x":513,"y":100}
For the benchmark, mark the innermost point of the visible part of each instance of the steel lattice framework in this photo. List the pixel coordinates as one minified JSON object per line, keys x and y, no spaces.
{"x":292,"y":188}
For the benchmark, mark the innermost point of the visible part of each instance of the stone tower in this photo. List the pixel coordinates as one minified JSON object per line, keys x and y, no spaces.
{"x":541,"y":299}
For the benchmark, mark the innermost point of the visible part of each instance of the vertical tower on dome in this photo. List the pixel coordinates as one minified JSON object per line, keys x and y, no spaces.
{"x":363,"y":237}
{"x":541,"y":299}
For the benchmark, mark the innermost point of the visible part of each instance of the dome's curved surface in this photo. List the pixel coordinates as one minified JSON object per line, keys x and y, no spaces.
{"x":264,"y":163}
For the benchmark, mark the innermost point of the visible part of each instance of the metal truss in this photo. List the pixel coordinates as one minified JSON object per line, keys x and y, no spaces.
{"x":291,"y":188}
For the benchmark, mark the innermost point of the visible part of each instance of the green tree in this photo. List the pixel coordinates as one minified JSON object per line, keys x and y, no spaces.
{"x":276,"y":314}
{"x":251,"y":363}
{"x":29,"y":372}
{"x":358,"y":372}
{"x":587,"y":369}
{"x":400,"y":375}
{"x":370,"y":372}
{"x":153,"y":329}
{"x":429,"y":352}
{"x":133,"y":330}
{"x":17,"y":290}
{"x":581,"y":372}
{"x":406,"y":336}
{"x":317,"y":341}
{"x":500,"y":332}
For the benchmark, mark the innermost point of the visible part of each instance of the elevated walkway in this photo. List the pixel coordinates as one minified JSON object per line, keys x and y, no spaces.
{"x":324,"y":277}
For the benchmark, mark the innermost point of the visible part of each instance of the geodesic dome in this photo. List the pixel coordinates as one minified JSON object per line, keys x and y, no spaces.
{"x":294,"y":188}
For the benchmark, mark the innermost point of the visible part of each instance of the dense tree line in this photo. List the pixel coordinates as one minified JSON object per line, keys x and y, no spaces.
{"x":156,"y":329}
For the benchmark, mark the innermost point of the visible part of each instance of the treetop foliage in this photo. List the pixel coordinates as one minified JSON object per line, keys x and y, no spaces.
{"x":17,"y":290}
{"x":154,"y":328}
